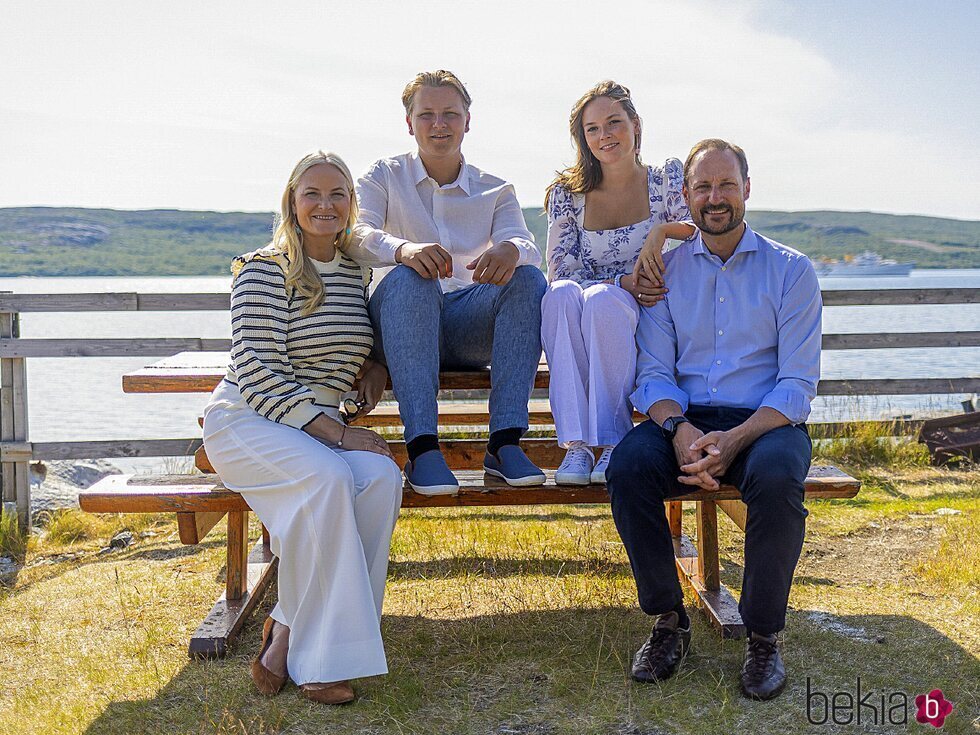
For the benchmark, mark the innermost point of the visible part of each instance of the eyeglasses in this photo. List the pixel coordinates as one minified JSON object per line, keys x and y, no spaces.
{"x":352,"y":408}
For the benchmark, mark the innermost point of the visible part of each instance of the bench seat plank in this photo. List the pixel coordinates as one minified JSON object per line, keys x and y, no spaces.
{"x":204,"y":493}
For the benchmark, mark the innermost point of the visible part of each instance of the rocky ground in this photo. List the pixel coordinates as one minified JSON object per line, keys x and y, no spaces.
{"x":55,"y":485}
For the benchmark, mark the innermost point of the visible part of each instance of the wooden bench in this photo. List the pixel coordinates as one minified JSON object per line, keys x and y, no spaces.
{"x":200,"y":501}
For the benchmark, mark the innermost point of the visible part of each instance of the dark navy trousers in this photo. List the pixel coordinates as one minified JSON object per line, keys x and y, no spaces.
{"x":770,"y":474}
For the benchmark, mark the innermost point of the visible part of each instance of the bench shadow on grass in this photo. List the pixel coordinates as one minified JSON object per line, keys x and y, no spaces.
{"x":466,"y":566}
{"x":157,"y":551}
{"x":601,"y":512}
{"x":564,"y":671}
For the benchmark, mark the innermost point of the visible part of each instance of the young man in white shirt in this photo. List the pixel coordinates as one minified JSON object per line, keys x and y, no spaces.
{"x":465,"y":291}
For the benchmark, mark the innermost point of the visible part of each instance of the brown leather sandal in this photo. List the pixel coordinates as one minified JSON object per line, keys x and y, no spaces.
{"x":266,"y":680}
{"x":338,"y":692}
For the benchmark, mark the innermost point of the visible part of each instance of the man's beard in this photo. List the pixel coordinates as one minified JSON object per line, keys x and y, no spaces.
{"x":736,"y":217}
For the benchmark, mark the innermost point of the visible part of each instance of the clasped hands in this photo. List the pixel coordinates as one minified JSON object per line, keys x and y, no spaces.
{"x":496,"y":265}
{"x":703,"y":458}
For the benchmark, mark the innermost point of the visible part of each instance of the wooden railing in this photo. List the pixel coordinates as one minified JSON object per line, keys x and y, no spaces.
{"x":16,"y":450}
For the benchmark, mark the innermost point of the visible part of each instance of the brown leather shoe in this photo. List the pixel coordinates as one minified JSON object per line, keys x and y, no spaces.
{"x":266,"y":680}
{"x":337,"y":692}
{"x":659,"y":657}
{"x":763,"y":673}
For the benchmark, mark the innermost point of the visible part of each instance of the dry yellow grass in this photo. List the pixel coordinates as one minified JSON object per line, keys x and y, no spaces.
{"x":510,"y":620}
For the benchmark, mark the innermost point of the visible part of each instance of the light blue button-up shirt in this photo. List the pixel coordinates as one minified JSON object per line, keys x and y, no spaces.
{"x":743,"y":333}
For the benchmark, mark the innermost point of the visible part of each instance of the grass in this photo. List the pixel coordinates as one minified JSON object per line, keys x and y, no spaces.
{"x":505,"y":620}
{"x":13,"y":543}
{"x":871,"y":444}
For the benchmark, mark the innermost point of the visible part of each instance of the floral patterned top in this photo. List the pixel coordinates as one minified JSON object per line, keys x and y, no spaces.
{"x":591,"y":256}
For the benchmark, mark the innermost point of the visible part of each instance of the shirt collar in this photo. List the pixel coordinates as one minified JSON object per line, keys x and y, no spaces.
{"x":420,"y":174}
{"x":748,"y":242}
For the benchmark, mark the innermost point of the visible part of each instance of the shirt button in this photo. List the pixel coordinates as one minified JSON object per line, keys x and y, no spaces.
{"x":722,"y":299}
{"x":721,"y":331}
{"x":714,"y":390}
{"x":724,"y":267}
{"x":717,"y":362}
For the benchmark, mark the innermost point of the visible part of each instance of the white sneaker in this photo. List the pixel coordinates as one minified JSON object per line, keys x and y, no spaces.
{"x":598,"y":476}
{"x":576,"y":468}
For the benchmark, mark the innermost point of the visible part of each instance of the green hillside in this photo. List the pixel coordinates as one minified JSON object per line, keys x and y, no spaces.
{"x":46,"y":241}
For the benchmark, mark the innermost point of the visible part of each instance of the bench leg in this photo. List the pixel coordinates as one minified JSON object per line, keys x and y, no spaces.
{"x":698,"y":568}
{"x":248,"y":577}
{"x":236,"y":579}
{"x":708,"y":564}
{"x":193,"y":527}
{"x":736,"y":510}
{"x":675,"y":511}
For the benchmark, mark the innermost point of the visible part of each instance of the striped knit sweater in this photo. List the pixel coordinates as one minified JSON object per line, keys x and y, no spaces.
{"x":288,"y":367}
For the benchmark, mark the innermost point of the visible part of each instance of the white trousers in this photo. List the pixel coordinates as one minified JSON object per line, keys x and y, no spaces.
{"x":330,"y":514}
{"x":589,"y":339}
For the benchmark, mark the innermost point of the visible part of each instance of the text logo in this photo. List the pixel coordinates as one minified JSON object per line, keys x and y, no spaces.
{"x":859,"y":707}
{"x":933,"y":708}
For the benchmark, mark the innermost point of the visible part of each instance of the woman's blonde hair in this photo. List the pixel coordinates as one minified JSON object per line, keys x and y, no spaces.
{"x":287,"y":237}
{"x":586,"y":174}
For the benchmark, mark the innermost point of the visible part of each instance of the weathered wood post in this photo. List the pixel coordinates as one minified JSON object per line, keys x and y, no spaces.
{"x":15,"y":483}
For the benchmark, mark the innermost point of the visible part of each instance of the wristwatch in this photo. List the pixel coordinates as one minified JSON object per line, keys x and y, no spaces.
{"x":670,"y":425}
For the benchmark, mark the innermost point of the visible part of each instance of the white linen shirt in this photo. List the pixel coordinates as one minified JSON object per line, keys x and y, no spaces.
{"x":399,"y":202}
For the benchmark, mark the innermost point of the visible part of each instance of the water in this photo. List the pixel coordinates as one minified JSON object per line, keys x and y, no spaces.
{"x":75,"y":399}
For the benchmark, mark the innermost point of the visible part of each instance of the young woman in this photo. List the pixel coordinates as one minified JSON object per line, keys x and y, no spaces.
{"x":328,"y":493}
{"x":601,"y":211}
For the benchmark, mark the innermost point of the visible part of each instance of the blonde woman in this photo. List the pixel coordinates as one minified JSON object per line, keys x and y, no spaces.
{"x":328,"y":493}
{"x":601,"y":212}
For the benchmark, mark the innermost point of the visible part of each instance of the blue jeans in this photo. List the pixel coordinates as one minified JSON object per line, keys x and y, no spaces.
{"x":420,"y":330}
{"x":770,"y":474}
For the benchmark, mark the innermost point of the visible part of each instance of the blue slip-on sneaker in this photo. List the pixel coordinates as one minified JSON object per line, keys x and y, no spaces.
{"x":430,"y":475}
{"x":513,"y":467}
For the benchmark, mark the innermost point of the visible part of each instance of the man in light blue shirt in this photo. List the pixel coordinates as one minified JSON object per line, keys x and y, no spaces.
{"x":727,"y":365}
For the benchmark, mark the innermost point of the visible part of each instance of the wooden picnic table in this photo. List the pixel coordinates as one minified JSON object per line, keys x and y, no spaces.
{"x":200,"y":501}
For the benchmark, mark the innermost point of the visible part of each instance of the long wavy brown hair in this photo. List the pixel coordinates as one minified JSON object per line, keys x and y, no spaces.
{"x":586,"y":174}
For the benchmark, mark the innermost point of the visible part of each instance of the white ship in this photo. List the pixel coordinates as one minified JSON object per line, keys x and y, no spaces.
{"x":866,"y":264}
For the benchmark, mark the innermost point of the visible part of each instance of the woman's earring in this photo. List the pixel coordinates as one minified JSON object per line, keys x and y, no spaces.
{"x":348,"y":231}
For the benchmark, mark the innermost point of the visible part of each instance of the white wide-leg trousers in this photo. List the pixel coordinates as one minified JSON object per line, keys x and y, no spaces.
{"x":330,"y":515}
{"x":589,"y":339}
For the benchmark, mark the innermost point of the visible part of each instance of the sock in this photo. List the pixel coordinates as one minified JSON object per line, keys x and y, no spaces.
{"x":421,"y":444}
{"x":502,"y":438}
{"x":682,"y":620}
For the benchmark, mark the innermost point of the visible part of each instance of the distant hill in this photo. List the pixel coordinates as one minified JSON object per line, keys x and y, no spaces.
{"x":51,"y":241}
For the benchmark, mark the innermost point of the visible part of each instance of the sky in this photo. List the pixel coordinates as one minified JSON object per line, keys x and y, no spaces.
{"x":863,"y":105}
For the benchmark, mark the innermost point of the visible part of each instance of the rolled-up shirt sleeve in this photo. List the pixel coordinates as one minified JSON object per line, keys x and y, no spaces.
{"x":509,"y":226}
{"x":798,"y":322}
{"x":656,"y":358}
{"x":372,"y":245}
